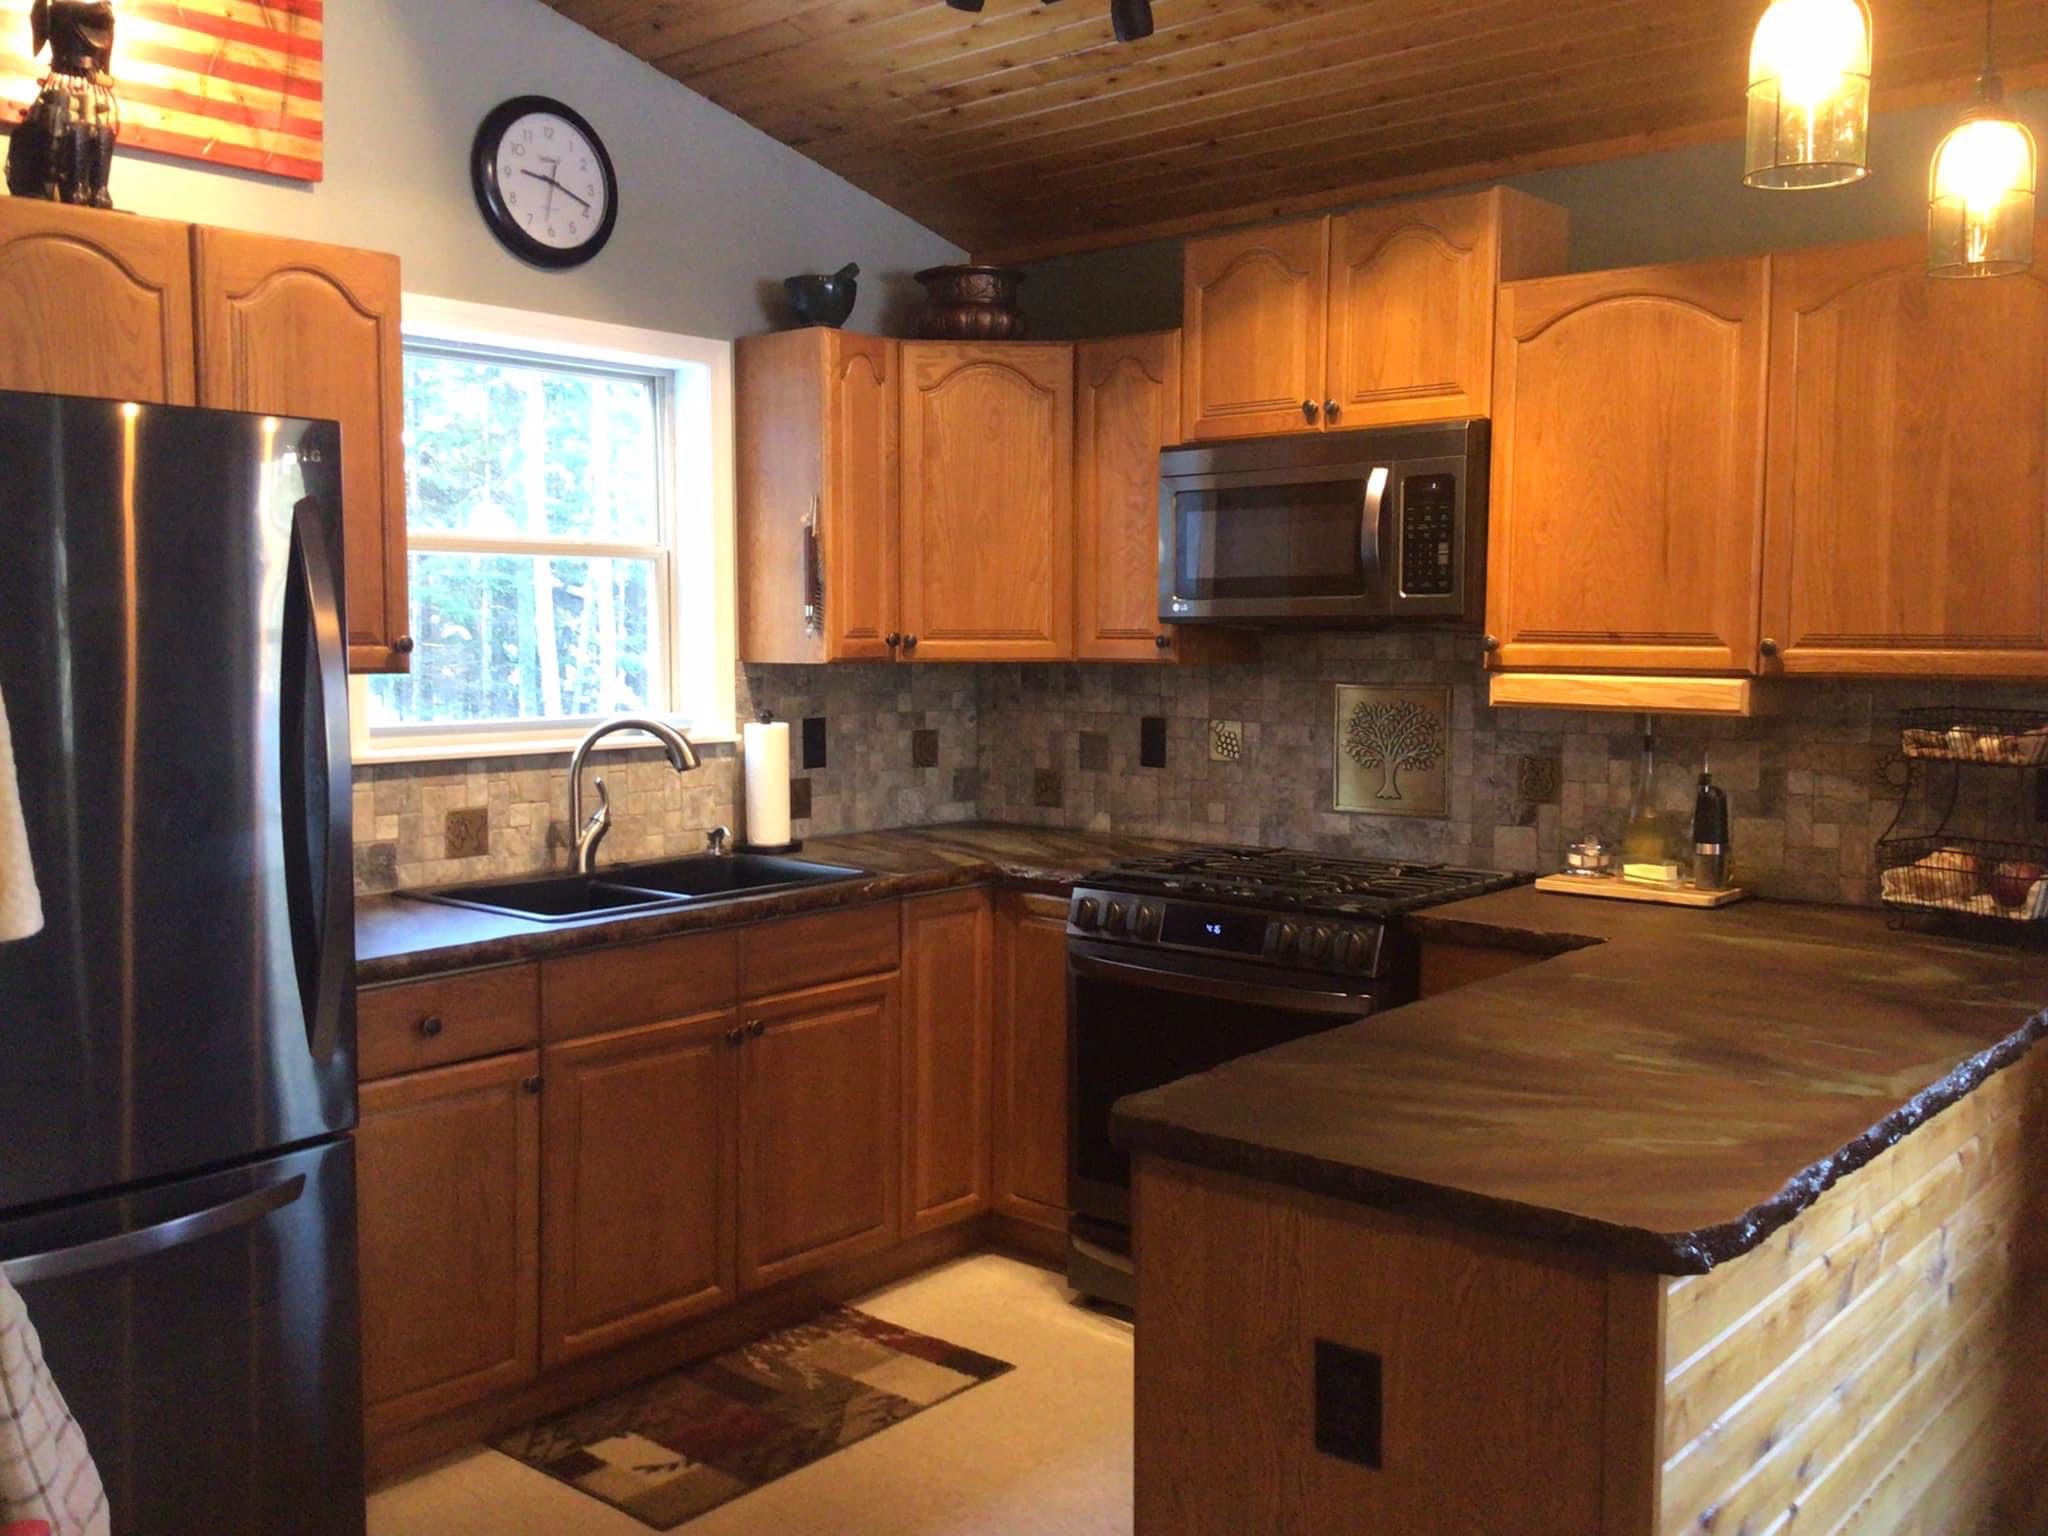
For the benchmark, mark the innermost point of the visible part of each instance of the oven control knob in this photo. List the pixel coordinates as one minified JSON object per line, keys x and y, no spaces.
{"x":1113,"y":921}
{"x":1148,"y":923}
{"x":1316,"y":943}
{"x":1284,"y":943}
{"x":1085,"y":913}
{"x":1351,"y":949}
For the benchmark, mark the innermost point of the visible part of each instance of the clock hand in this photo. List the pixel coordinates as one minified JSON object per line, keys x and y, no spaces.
{"x":558,"y":187}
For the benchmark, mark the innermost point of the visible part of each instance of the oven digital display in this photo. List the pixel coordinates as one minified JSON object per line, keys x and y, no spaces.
{"x":1241,"y":933}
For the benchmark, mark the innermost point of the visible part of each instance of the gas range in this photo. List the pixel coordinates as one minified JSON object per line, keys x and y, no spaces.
{"x":1273,"y":906}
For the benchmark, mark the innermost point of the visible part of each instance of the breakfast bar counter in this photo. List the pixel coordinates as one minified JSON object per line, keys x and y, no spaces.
{"x":1723,"y":1219}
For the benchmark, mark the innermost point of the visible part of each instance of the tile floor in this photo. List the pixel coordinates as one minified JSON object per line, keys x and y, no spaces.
{"x":1042,"y":1451}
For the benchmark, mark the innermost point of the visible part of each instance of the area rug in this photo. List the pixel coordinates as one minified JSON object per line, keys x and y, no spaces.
{"x":670,"y":1449}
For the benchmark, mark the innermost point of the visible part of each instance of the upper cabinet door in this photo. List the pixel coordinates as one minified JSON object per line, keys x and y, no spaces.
{"x":988,"y":505}
{"x":859,"y":526}
{"x":295,"y":329}
{"x":1412,"y":297}
{"x":1628,"y":470}
{"x":1127,"y":406}
{"x":816,"y":455}
{"x":1254,"y":303}
{"x":93,"y":303}
{"x":1908,"y":523}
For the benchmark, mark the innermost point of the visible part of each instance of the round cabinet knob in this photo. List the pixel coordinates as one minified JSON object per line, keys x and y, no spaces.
{"x":1284,"y":943}
{"x":1768,"y":646}
{"x":430,"y":1026}
{"x":910,"y":642}
{"x":1308,"y":410}
{"x":756,"y":1028}
{"x":1148,"y":922}
{"x":1489,"y":643}
{"x":1317,"y":942}
{"x":402,"y":646}
{"x":735,"y":1035}
{"x":1164,"y":642}
{"x":532,"y":1084}
{"x":1330,"y":410}
{"x":892,"y":639}
{"x":1086,"y":913}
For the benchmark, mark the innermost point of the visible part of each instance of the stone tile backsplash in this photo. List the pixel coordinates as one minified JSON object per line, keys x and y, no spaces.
{"x":1066,"y":745}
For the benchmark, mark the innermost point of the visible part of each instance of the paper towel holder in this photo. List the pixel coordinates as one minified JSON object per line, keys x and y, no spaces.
{"x":747,"y":845}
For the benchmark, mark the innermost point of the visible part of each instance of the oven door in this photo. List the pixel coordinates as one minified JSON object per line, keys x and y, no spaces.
{"x":1136,"y":1025}
{"x":1304,"y":543}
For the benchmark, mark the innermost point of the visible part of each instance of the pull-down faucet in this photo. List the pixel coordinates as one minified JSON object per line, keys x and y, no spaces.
{"x":588,"y":834}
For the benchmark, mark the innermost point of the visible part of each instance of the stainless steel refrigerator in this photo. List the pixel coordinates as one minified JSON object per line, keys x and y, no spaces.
{"x":177,"y":1045}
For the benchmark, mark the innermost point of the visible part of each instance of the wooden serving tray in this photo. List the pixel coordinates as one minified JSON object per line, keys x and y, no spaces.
{"x":1617,"y":889}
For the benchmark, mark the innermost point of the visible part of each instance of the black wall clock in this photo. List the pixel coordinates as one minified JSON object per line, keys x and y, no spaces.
{"x":544,"y":182}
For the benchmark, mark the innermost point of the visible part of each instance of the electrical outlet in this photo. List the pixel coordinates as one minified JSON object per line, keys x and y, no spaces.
{"x":814,"y":741}
{"x":1349,"y":1410}
{"x":1152,"y":741}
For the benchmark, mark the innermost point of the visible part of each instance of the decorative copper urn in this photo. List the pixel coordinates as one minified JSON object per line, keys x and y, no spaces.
{"x":971,"y":304}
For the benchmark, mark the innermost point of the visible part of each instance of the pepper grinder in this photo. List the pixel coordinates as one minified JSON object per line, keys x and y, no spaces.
{"x":1709,"y":832}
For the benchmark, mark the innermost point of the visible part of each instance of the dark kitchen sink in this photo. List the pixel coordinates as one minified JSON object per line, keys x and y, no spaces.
{"x":727,"y":874}
{"x":626,"y":889}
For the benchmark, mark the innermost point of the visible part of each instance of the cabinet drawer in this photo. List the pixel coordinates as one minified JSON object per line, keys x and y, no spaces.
{"x":449,"y":1018}
{"x":810,"y":951}
{"x":639,"y":984}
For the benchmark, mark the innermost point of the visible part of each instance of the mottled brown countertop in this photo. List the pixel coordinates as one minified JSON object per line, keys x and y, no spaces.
{"x":1666,"y":1089}
{"x":398,"y":938}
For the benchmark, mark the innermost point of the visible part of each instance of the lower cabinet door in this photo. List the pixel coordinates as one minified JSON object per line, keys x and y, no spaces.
{"x":819,"y":1122}
{"x":448,"y":1196}
{"x":639,"y":1182}
{"x":946,"y":1045}
{"x":1031,"y":1060}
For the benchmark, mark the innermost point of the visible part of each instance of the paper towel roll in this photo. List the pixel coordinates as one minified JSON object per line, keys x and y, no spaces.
{"x":765,"y":745}
{"x":21,"y":907}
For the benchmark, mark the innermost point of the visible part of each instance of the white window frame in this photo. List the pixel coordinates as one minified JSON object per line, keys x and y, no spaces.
{"x":692,"y":682}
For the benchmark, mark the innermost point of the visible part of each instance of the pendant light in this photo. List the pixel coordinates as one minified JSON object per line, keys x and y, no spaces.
{"x":1809,"y":95}
{"x":1980,"y":190}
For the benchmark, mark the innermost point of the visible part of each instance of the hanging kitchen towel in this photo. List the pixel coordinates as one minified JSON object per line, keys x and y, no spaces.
{"x":21,"y":905}
{"x":46,"y":1472}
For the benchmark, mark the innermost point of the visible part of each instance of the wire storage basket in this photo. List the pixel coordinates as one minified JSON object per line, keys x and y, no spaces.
{"x":1981,"y":880}
{"x":2012,"y":738}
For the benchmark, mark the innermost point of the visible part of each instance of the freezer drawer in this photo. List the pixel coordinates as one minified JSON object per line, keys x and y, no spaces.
{"x":204,"y":1334}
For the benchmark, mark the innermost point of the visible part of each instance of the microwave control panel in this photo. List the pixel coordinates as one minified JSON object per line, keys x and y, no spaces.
{"x":1429,"y":513}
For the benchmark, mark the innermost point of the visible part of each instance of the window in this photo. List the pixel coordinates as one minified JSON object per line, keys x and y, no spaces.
{"x":569,"y":535}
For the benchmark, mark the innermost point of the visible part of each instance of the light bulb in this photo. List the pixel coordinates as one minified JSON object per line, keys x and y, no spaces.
{"x":1980,"y":197}
{"x":1809,"y":95}
{"x":1983,"y":162}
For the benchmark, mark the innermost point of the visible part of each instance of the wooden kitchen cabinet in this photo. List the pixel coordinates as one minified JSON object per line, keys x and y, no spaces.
{"x":94,"y":304}
{"x":1374,"y":318}
{"x":1126,"y":408}
{"x":298,"y":329}
{"x":819,"y":1119}
{"x":988,"y":501}
{"x":1908,"y":468}
{"x":948,"y":1038}
{"x":448,"y":1180}
{"x":1412,"y":300}
{"x":816,"y":453}
{"x":1627,"y":499}
{"x":1254,"y":304}
{"x":640,"y":1182}
{"x":1031,"y":1060}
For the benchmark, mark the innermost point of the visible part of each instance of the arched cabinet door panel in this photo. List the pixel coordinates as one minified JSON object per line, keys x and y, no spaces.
{"x":1908,"y":509}
{"x":1253,"y":309}
{"x":296,"y":329}
{"x":1628,"y":470}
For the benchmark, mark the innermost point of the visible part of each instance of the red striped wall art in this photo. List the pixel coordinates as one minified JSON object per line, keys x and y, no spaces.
{"x":229,"y":82}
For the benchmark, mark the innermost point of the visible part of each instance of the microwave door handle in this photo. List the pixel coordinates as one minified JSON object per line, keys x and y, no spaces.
{"x":1369,"y":516}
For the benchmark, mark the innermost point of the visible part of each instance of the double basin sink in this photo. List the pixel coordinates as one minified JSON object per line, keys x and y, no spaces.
{"x":631,"y":888}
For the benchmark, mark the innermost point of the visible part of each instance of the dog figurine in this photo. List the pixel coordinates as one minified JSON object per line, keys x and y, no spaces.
{"x":64,"y":149}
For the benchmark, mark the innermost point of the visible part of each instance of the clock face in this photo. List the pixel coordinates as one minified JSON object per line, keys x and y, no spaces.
{"x":544,"y":182}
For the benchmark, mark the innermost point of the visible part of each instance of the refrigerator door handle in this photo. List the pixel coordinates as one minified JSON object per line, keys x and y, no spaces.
{"x":106,"y":1252}
{"x":321,"y":918}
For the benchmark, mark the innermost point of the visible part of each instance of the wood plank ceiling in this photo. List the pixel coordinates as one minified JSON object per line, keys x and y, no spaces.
{"x":1028,"y":130}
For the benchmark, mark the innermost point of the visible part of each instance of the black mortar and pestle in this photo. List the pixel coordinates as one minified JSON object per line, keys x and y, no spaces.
{"x":819,"y":299}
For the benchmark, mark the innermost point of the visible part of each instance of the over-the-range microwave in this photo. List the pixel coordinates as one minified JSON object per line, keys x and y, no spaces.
{"x":1329,"y":528}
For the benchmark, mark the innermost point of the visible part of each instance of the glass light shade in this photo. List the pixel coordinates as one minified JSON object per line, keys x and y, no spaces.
{"x":1809,"y":95}
{"x":1980,"y":198}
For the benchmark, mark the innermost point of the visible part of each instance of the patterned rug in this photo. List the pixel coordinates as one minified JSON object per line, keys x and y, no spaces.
{"x":670,"y":1449}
